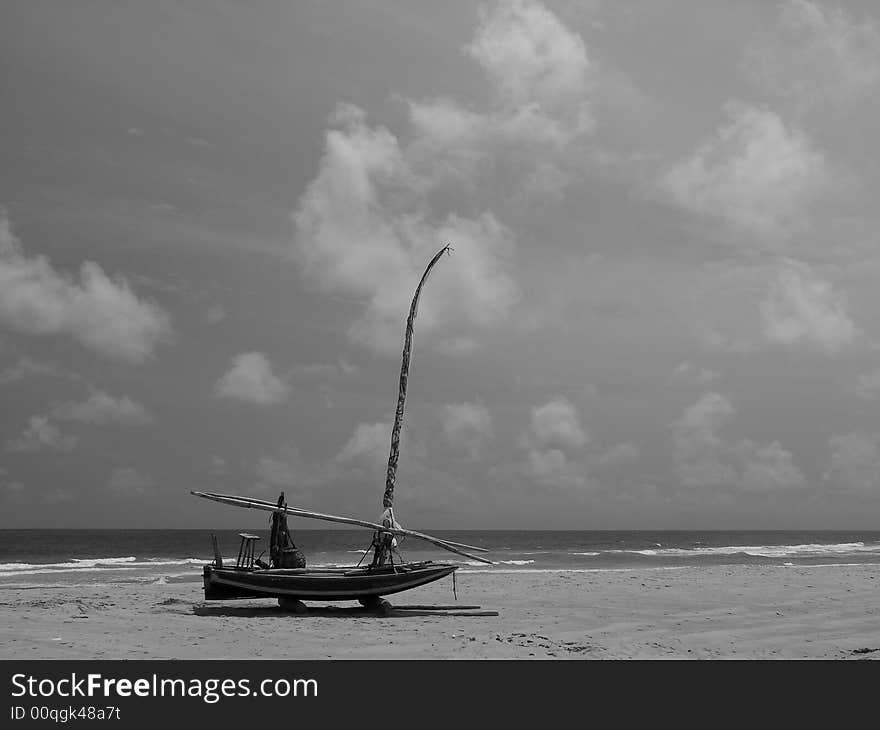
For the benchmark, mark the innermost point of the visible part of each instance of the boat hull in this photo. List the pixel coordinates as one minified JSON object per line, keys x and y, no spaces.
{"x":320,"y":584}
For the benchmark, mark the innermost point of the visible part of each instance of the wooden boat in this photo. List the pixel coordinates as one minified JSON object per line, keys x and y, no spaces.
{"x":329,"y":584}
{"x":287,"y":578}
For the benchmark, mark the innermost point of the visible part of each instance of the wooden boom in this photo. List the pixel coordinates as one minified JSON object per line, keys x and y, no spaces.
{"x":347,"y":520}
{"x":252,"y":503}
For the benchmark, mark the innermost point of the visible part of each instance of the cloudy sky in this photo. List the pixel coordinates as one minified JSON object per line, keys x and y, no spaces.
{"x":658,"y":313}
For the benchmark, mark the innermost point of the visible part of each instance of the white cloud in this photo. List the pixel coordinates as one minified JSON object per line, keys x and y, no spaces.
{"x":755,"y":172}
{"x":363,"y":229}
{"x":369,"y":443}
{"x":553,"y":445}
{"x":250,"y":378}
{"x":344,"y":240}
{"x":537,"y":66}
{"x":41,"y":434}
{"x":802,"y":308}
{"x":556,"y":424}
{"x":698,"y":445}
{"x":101,"y":409}
{"x":815,"y":54}
{"x":552,"y":468}
{"x":619,"y":455}
{"x":128,"y":482}
{"x":691,"y":374}
{"x":705,"y":459}
{"x":767,"y":468}
{"x":558,"y":455}
{"x":467,"y":427}
{"x":379,"y":208}
{"x":527,"y":144}
{"x":100,"y":313}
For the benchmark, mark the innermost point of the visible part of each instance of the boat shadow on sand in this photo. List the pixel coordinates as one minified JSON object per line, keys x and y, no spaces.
{"x":392,"y":611}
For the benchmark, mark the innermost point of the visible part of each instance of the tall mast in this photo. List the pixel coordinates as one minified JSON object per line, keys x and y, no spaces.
{"x":388,"y":497}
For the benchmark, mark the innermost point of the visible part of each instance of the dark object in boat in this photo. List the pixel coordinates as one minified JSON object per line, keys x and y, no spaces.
{"x":282,"y":550}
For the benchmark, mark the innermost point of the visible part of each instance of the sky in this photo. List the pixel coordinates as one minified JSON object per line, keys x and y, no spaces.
{"x":657,"y":314}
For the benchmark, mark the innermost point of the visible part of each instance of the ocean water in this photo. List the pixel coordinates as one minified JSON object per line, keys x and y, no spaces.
{"x":30,"y":558}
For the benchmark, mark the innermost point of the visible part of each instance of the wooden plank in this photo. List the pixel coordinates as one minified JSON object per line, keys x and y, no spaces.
{"x":462,"y":614}
{"x":419,"y":607}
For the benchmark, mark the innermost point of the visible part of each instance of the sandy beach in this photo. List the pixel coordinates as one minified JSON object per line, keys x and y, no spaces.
{"x":726,"y":612}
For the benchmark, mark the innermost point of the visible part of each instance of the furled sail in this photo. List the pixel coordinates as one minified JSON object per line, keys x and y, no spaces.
{"x":394,"y":455}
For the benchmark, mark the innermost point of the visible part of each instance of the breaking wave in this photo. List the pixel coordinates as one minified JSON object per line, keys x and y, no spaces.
{"x":762,"y":551}
{"x":92,"y":565}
